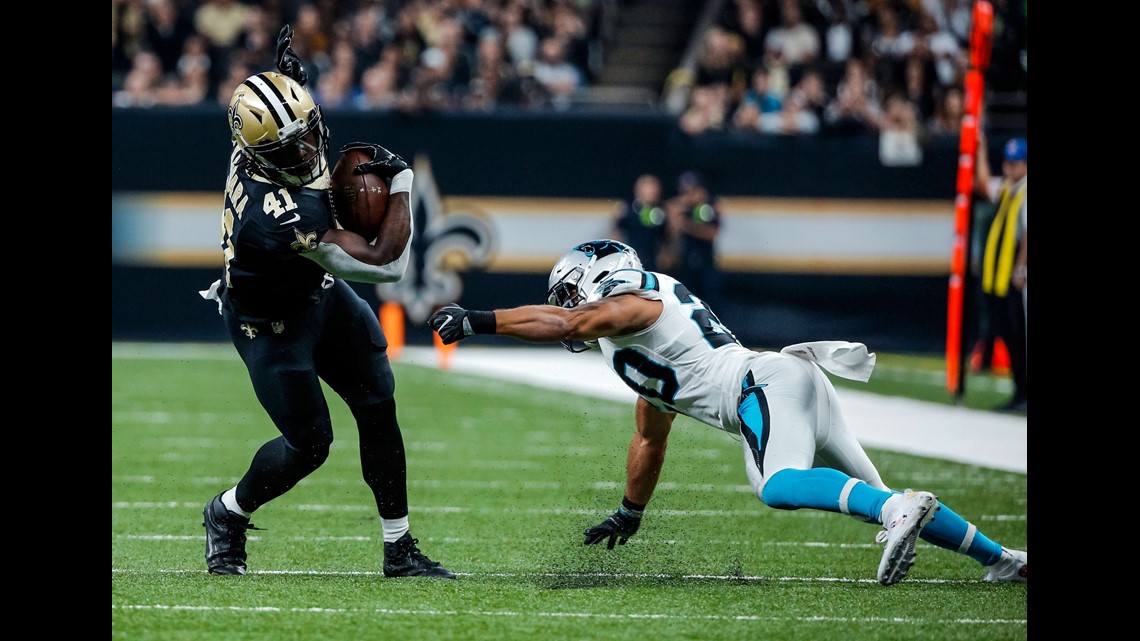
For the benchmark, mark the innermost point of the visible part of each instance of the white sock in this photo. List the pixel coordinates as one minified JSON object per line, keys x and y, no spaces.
{"x":888,"y":508}
{"x":394,"y":528}
{"x":229,"y":499}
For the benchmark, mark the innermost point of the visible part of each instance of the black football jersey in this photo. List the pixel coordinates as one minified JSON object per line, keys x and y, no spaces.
{"x":265,"y":229}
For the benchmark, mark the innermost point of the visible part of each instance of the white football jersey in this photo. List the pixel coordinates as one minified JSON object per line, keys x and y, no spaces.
{"x":687,"y":361}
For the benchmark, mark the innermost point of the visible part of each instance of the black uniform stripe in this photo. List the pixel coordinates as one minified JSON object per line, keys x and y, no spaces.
{"x":288,"y":108}
{"x":757,"y":443}
{"x":276,"y":102}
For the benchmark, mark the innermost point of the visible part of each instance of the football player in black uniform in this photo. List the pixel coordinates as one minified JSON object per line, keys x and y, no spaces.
{"x":295,"y":321}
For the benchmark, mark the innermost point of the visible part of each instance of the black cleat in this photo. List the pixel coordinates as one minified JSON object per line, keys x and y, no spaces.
{"x":403,"y":558}
{"x":225,"y":538}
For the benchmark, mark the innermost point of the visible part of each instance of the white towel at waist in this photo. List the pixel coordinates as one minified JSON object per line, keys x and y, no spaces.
{"x":213,"y":294}
{"x":842,"y":358}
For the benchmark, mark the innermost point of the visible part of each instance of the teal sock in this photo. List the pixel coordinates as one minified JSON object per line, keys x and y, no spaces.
{"x":823,"y":489}
{"x":950,"y":531}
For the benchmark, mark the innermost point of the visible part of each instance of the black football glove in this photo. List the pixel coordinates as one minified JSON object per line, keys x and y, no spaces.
{"x":452,"y":323}
{"x":287,"y":61}
{"x":384,"y":163}
{"x":617,"y":528}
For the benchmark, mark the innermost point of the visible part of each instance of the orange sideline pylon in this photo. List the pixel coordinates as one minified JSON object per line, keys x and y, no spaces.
{"x":999,"y":362}
{"x":392,"y":322}
{"x":443,"y":351}
{"x":999,"y":358}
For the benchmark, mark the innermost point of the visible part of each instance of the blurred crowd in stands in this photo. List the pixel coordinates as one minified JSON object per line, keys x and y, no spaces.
{"x":840,"y":66}
{"x":359,"y":54}
{"x":769,"y":66}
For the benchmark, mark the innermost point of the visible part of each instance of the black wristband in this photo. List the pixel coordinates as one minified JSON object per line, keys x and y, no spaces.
{"x":482,"y":322}
{"x":637,"y":508}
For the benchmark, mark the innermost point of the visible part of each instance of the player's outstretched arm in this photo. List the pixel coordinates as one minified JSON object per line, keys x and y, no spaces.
{"x":643,"y":469}
{"x":615,"y":316}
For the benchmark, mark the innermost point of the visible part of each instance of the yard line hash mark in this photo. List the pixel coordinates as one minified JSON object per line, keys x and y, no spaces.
{"x":571,"y":615}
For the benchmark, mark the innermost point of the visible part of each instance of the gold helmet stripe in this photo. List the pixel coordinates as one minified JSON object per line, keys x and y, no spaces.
{"x":269,"y":94}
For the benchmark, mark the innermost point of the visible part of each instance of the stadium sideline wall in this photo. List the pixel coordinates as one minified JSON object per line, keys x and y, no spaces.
{"x":820,"y":240}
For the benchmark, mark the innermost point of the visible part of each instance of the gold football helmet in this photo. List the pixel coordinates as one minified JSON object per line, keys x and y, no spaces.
{"x":279,"y":129}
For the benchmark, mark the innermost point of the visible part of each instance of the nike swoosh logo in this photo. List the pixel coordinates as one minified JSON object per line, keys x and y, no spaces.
{"x":446,"y":320}
{"x":294,"y":219}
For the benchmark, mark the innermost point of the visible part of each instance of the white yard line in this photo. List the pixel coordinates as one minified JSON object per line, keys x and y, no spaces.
{"x":632,"y":616}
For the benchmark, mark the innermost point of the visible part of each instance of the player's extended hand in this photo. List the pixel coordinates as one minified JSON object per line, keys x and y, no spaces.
{"x":384,"y":163}
{"x":287,"y":61}
{"x":452,"y":323}
{"x":617,"y":528}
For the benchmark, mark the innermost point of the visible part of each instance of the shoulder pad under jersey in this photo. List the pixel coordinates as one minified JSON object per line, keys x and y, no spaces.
{"x":628,"y":281}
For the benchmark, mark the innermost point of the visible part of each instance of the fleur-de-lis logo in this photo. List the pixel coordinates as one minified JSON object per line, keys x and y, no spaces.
{"x":235,"y":119}
{"x":249,"y":330}
{"x":306,"y":241}
{"x":443,"y":246}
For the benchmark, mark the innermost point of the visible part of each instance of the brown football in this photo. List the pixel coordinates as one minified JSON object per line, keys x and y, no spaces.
{"x":359,"y":201}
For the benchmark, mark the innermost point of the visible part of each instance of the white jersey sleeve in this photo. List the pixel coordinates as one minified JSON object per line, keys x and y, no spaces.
{"x":687,"y":361}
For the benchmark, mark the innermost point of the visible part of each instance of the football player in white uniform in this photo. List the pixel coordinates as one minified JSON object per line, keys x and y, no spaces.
{"x":670,"y":348}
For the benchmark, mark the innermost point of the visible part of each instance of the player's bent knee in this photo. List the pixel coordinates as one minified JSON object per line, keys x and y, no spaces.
{"x":380,"y":415}
{"x":778,"y":491}
{"x":314,"y":445}
{"x":758,"y":484}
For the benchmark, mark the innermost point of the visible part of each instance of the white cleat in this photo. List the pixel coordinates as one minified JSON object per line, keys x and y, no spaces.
{"x":904,"y":516}
{"x":1010,"y":568}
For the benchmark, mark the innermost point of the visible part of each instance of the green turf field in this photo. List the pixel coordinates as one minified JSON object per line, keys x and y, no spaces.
{"x":503,"y":479}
